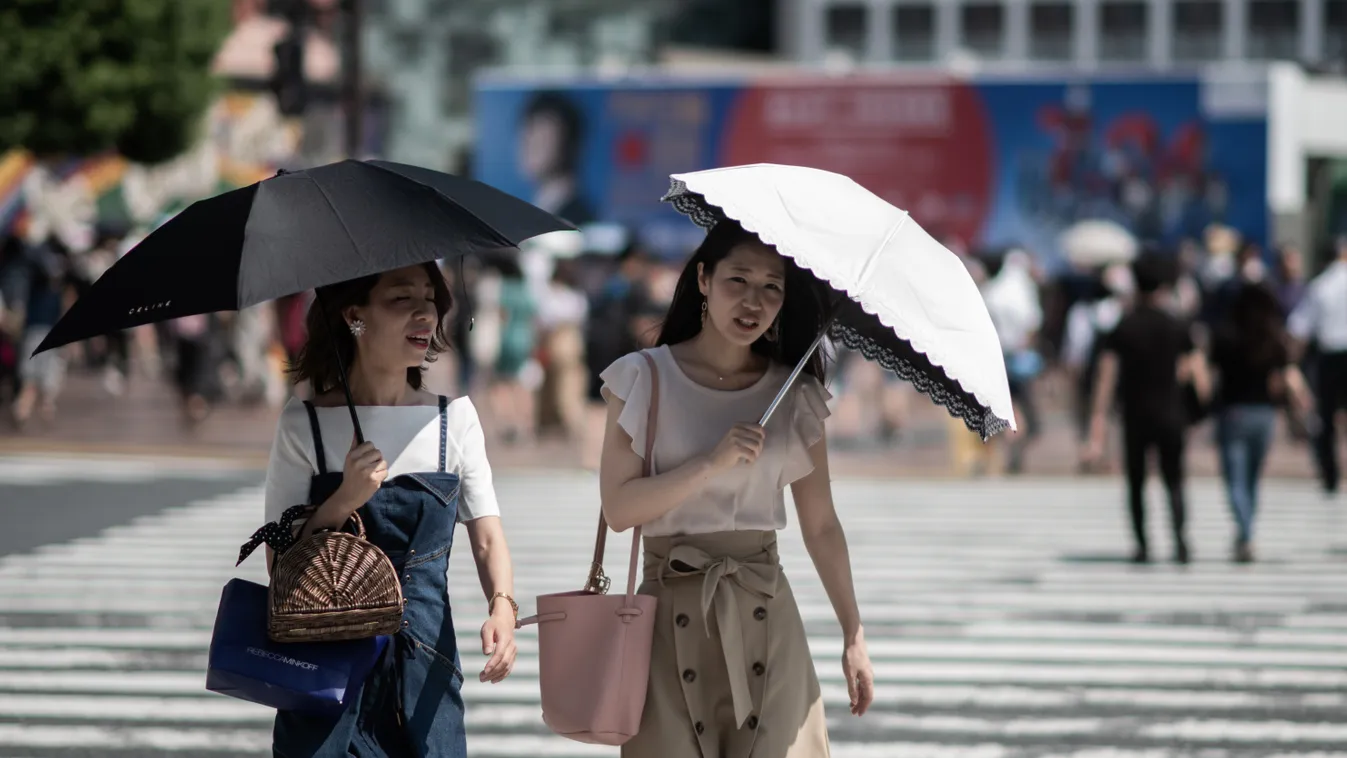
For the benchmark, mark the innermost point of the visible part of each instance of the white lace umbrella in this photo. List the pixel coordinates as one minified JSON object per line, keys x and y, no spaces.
{"x":902,"y":299}
{"x":1098,"y":242}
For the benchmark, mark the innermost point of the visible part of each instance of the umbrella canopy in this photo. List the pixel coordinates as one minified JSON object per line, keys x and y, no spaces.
{"x":294,"y":232}
{"x":1098,"y":242}
{"x":902,"y":299}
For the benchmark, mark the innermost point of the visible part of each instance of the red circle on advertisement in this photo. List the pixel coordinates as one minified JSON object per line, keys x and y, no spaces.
{"x":924,"y":147}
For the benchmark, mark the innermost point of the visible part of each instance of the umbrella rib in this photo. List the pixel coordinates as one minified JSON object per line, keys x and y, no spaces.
{"x":874,"y":254}
{"x":336,"y":215}
{"x":457,"y":204}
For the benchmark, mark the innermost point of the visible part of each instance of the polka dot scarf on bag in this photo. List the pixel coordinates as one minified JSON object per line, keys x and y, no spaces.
{"x":278,"y":534}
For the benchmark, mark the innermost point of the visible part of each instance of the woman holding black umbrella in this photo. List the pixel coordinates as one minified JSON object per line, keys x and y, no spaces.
{"x":365,"y":235}
{"x":386,"y":328}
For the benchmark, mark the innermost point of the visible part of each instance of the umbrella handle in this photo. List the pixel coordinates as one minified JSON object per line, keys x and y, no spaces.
{"x":781,"y":394}
{"x":341,"y":373}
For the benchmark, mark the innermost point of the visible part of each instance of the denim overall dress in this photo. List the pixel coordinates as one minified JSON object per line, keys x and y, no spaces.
{"x":411,"y":704}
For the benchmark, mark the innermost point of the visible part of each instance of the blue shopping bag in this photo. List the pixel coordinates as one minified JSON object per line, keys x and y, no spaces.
{"x":314,"y":677}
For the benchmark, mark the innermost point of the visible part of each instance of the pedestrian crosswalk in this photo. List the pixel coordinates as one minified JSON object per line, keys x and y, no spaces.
{"x":36,"y":470}
{"x":1001,"y":620}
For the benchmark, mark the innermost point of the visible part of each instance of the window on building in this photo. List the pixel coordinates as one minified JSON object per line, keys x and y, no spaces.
{"x":1122,"y":31}
{"x":1273,"y":29}
{"x":408,"y":43}
{"x":846,"y":29}
{"x":1198,"y":29}
{"x":468,"y":50}
{"x":1050,"y":31}
{"x":982,"y":26}
{"x":1335,"y":30}
{"x":914,"y":32}
{"x":740,"y":25}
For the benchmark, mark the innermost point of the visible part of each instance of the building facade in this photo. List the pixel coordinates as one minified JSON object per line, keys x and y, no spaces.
{"x":1156,"y":34}
{"x":423,"y":56}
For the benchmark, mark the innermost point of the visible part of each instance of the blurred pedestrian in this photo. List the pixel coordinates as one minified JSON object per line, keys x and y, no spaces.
{"x":198,"y":355}
{"x":1289,"y":275}
{"x":1320,"y":322}
{"x":562,"y":312}
{"x":511,"y":396}
{"x":615,"y":313}
{"x":1145,"y":360}
{"x":41,"y":376}
{"x":1012,"y":299}
{"x":14,"y":275}
{"x":1254,"y":371}
{"x":1087,"y":323}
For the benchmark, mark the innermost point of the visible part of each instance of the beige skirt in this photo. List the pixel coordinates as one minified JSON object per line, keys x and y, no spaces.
{"x":730,"y":671}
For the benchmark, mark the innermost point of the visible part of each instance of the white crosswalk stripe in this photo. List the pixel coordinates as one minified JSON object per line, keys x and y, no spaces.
{"x":1000,"y":621}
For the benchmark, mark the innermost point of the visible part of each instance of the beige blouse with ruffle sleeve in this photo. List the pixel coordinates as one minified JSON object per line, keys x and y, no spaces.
{"x":693,"y":418}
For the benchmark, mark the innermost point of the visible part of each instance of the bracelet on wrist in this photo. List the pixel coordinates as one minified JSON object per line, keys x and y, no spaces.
{"x":491,"y":604}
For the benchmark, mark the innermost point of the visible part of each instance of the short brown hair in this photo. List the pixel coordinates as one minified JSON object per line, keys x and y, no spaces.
{"x":325,"y":323}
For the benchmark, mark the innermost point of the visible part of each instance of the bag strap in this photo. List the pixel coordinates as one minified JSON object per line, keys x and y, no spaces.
{"x":319,"y":455}
{"x":597,"y":581}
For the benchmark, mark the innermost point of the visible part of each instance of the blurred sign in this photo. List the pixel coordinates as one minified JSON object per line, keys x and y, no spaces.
{"x":246,"y":140}
{"x":995,"y":161}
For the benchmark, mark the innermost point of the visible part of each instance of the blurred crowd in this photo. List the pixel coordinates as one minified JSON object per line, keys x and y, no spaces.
{"x":532,"y":332}
{"x":1053,"y":328}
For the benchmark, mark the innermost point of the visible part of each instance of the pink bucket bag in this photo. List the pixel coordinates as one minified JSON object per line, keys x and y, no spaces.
{"x":594,"y":648}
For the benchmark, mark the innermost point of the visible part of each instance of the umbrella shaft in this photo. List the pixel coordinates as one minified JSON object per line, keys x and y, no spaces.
{"x":341,"y":371}
{"x":795,"y":373}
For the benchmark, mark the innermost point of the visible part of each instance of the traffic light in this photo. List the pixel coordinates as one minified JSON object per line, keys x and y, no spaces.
{"x":287,"y":81}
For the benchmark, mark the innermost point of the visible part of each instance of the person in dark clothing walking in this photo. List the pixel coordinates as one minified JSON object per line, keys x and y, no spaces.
{"x":1145,"y":362}
{"x":1250,"y":355}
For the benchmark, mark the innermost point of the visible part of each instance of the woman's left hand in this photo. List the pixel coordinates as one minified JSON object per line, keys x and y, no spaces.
{"x":860,"y":675}
{"x":498,"y":642}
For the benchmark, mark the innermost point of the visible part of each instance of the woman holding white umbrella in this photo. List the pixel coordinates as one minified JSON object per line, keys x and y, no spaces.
{"x":731,"y":672}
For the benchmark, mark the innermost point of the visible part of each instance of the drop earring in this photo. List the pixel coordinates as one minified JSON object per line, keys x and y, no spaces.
{"x":357,"y":327}
{"x":774,"y":331}
{"x":703,"y":311}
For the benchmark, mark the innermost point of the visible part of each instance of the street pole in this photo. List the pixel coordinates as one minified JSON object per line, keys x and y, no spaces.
{"x":352,"y":100}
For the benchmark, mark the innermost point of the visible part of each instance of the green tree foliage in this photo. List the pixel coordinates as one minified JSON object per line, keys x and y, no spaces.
{"x":83,"y":76}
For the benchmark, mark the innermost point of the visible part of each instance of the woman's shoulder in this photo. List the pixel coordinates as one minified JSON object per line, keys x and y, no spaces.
{"x":806,"y":385}
{"x":636,"y":359}
{"x":622,"y":375}
{"x":294,"y":413}
{"x":460,"y":411}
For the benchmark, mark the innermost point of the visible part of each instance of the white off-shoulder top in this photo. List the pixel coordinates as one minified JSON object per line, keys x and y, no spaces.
{"x":407,"y":435}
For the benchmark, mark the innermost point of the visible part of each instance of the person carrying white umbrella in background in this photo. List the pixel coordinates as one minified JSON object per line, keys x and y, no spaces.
{"x":1107,"y":249}
{"x":1012,"y":300}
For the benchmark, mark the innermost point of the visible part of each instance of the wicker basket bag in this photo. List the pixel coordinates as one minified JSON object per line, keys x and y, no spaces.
{"x":332,"y":586}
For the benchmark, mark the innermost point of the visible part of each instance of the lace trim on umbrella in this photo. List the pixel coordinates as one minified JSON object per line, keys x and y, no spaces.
{"x":692,"y":205}
{"x":978,"y":419}
{"x":983,"y":422}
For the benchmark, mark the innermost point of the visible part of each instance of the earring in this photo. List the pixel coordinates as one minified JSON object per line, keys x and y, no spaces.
{"x":357,"y":327}
{"x":774,"y":331}
{"x":703,"y":311}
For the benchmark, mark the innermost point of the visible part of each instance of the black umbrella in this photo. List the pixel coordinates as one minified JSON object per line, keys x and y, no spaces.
{"x":294,"y":232}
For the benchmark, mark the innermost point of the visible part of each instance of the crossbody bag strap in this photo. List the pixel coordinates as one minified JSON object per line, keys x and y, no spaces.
{"x":598,"y":581}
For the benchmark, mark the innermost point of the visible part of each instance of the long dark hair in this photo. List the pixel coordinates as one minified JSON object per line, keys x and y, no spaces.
{"x":1254,"y":320}
{"x":803,"y":310}
{"x":317,"y":365}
